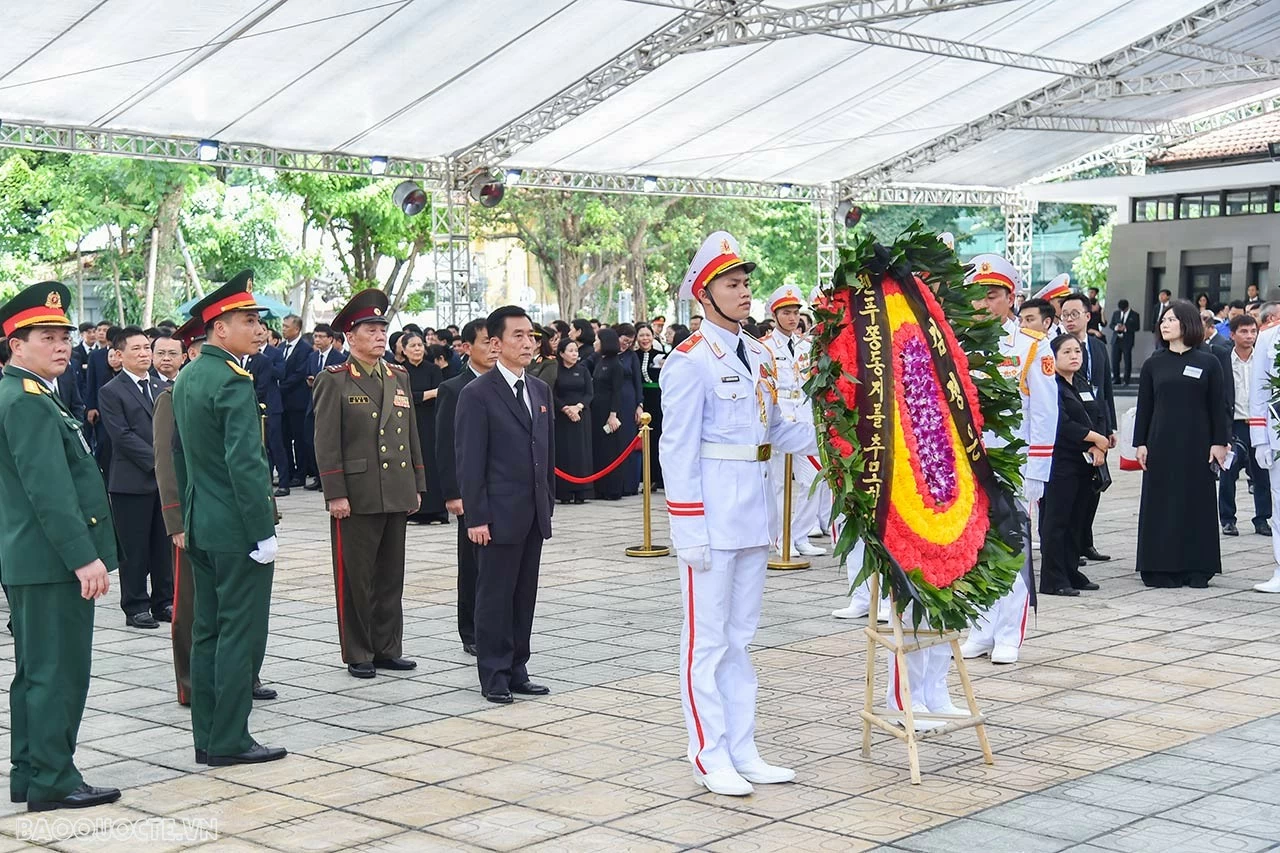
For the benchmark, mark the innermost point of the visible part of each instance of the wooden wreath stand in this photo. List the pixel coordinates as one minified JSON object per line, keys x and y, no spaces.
{"x":894,"y":639}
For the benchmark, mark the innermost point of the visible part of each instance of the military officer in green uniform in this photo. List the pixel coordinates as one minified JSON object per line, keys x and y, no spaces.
{"x":191,"y":335}
{"x":370,"y":462}
{"x":57,"y":544}
{"x":229,"y":524}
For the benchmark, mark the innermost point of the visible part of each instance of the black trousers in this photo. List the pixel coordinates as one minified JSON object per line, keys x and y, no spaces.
{"x":506,"y":592}
{"x":1091,"y":500}
{"x":276,"y":448}
{"x":1259,"y":476}
{"x":1062,"y":516}
{"x":467,"y":571}
{"x":307,"y":464}
{"x":294,"y":422}
{"x":1121,"y":349}
{"x":140,"y":531}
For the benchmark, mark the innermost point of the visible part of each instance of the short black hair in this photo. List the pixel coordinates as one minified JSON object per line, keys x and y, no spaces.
{"x":167,"y":324}
{"x":84,"y":327}
{"x":1076,"y":296}
{"x":470,"y":330}
{"x":625,"y":330}
{"x":496,"y":323}
{"x":1189,"y":318}
{"x":1166,"y":292}
{"x":101,"y":323}
{"x":453,"y":327}
{"x":1123,"y":304}
{"x":1062,"y":340}
{"x":1044,"y":306}
{"x":161,"y":335}
{"x":323,"y":328}
{"x":4,"y":351}
{"x":1236,"y":303}
{"x":586,"y":334}
{"x":445,"y":336}
{"x":1241,"y":320}
{"x":437,"y":351}
{"x":118,"y":339}
{"x":661,"y":317}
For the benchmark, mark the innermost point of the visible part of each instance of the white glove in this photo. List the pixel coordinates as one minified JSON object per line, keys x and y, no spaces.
{"x":266,"y":551}
{"x":1264,"y":456}
{"x":1034,"y":490}
{"x":698,"y":558}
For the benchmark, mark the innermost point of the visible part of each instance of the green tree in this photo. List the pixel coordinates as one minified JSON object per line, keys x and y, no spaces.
{"x":1091,"y":266}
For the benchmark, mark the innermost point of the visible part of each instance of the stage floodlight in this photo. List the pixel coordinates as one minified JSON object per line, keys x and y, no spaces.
{"x":486,"y":190}
{"x":378,"y":165}
{"x":410,"y":198}
{"x":207,"y":150}
{"x":848,"y":214}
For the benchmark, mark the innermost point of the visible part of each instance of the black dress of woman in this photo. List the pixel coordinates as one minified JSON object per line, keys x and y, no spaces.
{"x":573,"y":439}
{"x":424,"y":377}
{"x":650,"y":369}
{"x":1181,"y":414}
{"x":632,"y":393}
{"x":1065,"y":510}
{"x":606,"y":446}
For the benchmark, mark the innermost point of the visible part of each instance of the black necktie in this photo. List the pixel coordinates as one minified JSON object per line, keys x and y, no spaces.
{"x":520,"y":400}
{"x":742,"y":354}
{"x":144,"y":386}
{"x":791,"y":346}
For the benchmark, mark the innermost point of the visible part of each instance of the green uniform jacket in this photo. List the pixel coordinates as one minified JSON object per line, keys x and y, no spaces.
{"x":54,"y":517}
{"x":218,"y":455}
{"x":366,"y":440}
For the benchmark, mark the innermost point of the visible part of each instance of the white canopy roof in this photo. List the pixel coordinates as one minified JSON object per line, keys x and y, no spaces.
{"x":784,"y":92}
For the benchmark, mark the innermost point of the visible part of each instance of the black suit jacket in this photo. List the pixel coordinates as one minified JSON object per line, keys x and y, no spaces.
{"x":294,"y":391}
{"x":1131,"y":328}
{"x":126,"y":414}
{"x":1100,"y":380}
{"x":446,"y":411}
{"x":97,"y":374}
{"x":267,"y":368}
{"x":506,"y":465}
{"x":1221,"y":348}
{"x":69,"y":391}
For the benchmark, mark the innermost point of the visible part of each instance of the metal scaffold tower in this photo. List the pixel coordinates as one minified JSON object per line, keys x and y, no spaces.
{"x":451,"y":248}
{"x":830,"y":234}
{"x":1018,"y":230}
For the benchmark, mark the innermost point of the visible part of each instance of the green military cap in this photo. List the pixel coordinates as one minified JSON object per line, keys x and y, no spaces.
{"x":42,"y":304}
{"x":235,"y":295}
{"x":367,"y":306}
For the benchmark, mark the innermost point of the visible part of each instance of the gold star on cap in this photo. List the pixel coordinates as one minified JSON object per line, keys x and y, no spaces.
{"x":54,"y":300}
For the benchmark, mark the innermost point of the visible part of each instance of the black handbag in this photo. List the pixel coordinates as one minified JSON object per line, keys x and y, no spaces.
{"x":1101,"y":480}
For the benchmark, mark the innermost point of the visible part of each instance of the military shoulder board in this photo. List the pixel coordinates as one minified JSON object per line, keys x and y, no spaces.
{"x":237,"y":368}
{"x":394,"y":366}
{"x":690,"y":342}
{"x":337,"y":368}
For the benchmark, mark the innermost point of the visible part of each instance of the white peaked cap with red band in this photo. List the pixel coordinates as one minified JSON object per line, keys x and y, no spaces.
{"x":719,"y":254}
{"x":787,"y":296}
{"x":1056,"y":289}
{"x":948,"y":239}
{"x":994,"y":271}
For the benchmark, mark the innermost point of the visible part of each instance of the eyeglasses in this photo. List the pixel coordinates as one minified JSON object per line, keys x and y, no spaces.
{"x":1074,"y":315}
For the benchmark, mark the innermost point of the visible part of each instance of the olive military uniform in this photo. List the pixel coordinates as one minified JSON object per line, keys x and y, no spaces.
{"x":368,"y":451}
{"x":54,"y":519}
{"x":184,"y":594}
{"x":227,"y":509}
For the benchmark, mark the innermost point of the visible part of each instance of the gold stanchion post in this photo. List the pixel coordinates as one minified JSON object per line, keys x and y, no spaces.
{"x":786,"y":563}
{"x":647,"y":549}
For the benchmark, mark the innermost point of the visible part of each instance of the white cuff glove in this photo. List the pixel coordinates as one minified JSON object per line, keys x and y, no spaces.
{"x":698,"y":558}
{"x":1264,"y":456}
{"x":1034,"y":490}
{"x":266,"y":551}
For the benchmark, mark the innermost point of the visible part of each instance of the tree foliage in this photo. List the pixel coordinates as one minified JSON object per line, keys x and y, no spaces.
{"x":1091,"y":266}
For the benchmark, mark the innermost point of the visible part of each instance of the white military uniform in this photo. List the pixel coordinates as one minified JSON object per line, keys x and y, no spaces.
{"x":1264,"y":433}
{"x":1001,"y":630}
{"x":791,"y":356}
{"x":1059,"y":287}
{"x":719,"y":417}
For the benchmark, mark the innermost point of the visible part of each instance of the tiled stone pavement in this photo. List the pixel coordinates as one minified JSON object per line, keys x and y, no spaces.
{"x":1137,"y":720}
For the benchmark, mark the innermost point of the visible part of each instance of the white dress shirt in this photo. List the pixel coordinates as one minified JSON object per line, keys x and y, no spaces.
{"x":1240,"y":373}
{"x":511,"y":383}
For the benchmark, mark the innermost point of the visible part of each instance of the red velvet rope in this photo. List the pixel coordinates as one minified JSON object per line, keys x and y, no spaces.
{"x":631,"y":448}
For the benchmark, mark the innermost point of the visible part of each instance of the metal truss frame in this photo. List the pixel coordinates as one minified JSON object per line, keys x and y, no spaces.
{"x":1064,"y":91}
{"x":553,"y":179}
{"x":830,"y":237}
{"x":451,"y":251}
{"x":1019,"y":232}
{"x":1169,"y":82}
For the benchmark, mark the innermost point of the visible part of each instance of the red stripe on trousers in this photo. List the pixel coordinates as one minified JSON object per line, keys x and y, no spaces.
{"x":173,"y":623}
{"x":342,"y":577}
{"x":897,"y":683}
{"x":693,"y":706}
{"x":1022,"y":631}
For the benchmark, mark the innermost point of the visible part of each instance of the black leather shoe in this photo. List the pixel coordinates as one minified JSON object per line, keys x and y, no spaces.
{"x":17,"y":796}
{"x":469,"y":648}
{"x":256,"y":754}
{"x":1089,"y":587}
{"x":202,"y":756}
{"x":401,"y":664}
{"x":165,"y":615}
{"x":313,"y":485}
{"x":1092,"y":554}
{"x":1262,"y":529}
{"x":501,"y":698}
{"x":295,"y":483}
{"x":141,"y":620}
{"x":530,"y":689}
{"x":81,"y":798}
{"x":1067,"y":591}
{"x":362,"y":670}
{"x":263,"y":693}
{"x":1230,"y":530}
{"x":282,"y":492}
{"x":1082,"y":562}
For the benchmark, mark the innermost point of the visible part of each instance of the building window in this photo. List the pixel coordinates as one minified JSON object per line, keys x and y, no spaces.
{"x":1153,"y":209}
{"x":1243,"y":202}
{"x":1199,"y":206}
{"x":1259,"y":274}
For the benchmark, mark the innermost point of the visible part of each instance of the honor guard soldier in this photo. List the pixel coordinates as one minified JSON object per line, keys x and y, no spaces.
{"x":190,"y":336}
{"x":1027,"y":360}
{"x":720,"y":412}
{"x":372,"y":473}
{"x":229,"y":524}
{"x":57,"y":544}
{"x":1053,"y":293}
{"x":1264,"y":433}
{"x":791,"y":355}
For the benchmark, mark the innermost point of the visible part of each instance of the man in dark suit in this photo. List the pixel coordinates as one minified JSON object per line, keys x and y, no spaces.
{"x":1125,"y":323}
{"x":1096,"y":370}
{"x":69,"y":391}
{"x":506,"y":451}
{"x":295,"y":393}
{"x":480,"y":360}
{"x":127,"y":404}
{"x":324,"y":353}
{"x":267,"y":367}
{"x":97,"y":374}
{"x":79,"y":368}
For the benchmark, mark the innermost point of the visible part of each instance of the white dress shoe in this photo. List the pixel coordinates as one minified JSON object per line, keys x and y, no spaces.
{"x":921,"y":725}
{"x":850,"y":612}
{"x":765,"y":774}
{"x":1004,"y":654}
{"x":807,"y":550}
{"x":817,"y":532}
{"x":1272,"y":585}
{"x":725,"y":782}
{"x":949,"y":708}
{"x":970,"y":649}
